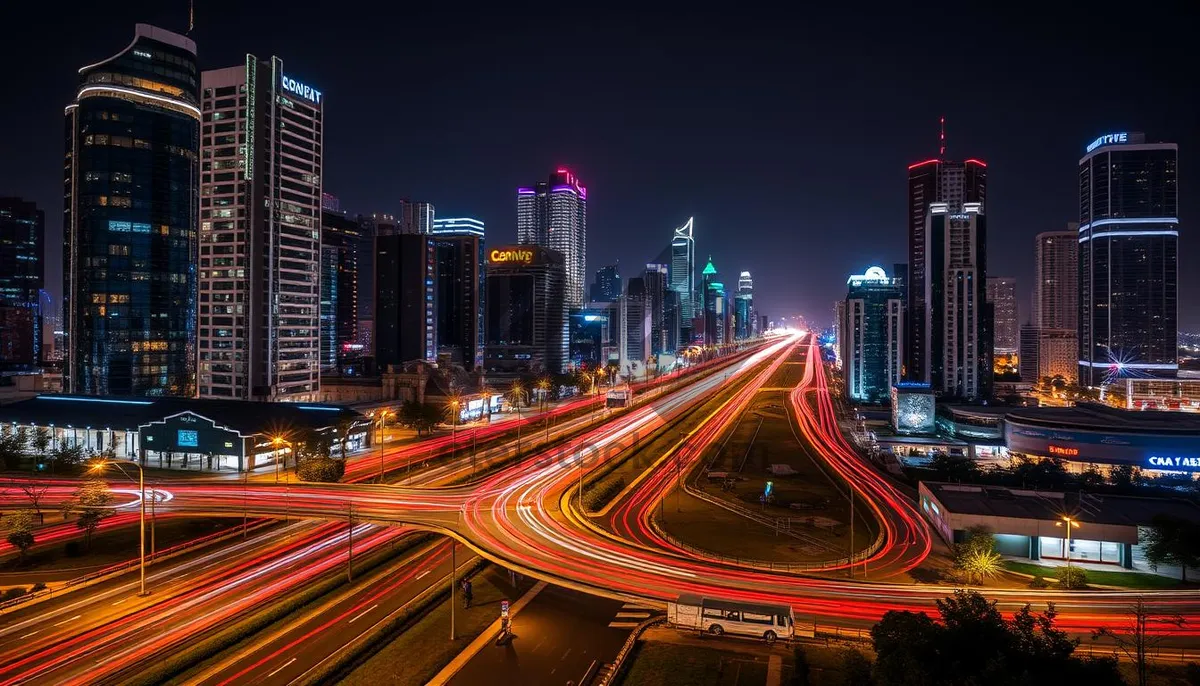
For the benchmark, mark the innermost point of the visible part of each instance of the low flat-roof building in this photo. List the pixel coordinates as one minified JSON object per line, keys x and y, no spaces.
{"x":183,"y":433}
{"x":1030,"y":524}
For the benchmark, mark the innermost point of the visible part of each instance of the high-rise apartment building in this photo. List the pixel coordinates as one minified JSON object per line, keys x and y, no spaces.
{"x":416,"y":217}
{"x":260,"y":234}
{"x":657,"y":286}
{"x":933,"y":181}
{"x":1002,"y":294}
{"x":406,"y":293}
{"x":683,"y":270}
{"x":607,"y":286}
{"x":870,"y":335}
{"x":369,"y":226}
{"x":461,"y":309}
{"x":527,"y":327}
{"x":458,"y":226}
{"x":1048,"y":353}
{"x":1128,"y":259}
{"x":340,"y":241}
{"x":22,"y":277}
{"x":957,"y":315}
{"x":1056,"y":279}
{"x":638,"y":319}
{"x":131,"y":191}
{"x":553,"y":214}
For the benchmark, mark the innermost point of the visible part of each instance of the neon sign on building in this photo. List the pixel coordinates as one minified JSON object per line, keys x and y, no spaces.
{"x":1108,"y":139}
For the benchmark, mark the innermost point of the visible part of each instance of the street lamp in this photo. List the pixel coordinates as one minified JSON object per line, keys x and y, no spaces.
{"x":383,"y":416}
{"x":454,"y":403}
{"x":99,"y":467}
{"x":517,"y":392}
{"x":278,"y":441}
{"x":544,"y":386}
{"x":1070,"y":522}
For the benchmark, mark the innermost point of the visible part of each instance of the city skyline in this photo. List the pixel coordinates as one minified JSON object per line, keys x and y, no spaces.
{"x":1033,"y":155}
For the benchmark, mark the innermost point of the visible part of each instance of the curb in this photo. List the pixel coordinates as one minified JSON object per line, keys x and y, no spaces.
{"x":483,"y":639}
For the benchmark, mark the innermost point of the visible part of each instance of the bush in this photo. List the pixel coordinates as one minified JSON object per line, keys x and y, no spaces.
{"x":323,"y":469}
{"x":15,"y":592}
{"x":599,"y":497}
{"x":74,"y":549}
{"x":1039,"y":582}
{"x":1071,"y":577}
{"x":856,"y":668}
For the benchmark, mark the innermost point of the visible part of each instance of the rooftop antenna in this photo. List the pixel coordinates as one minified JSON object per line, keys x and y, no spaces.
{"x":191,"y":15}
{"x":942,"y":140}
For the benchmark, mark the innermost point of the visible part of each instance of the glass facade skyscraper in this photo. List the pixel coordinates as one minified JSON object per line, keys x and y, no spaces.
{"x":340,"y":242}
{"x":871,"y":334}
{"x":683,"y":275}
{"x":131,"y":192}
{"x":607,"y":287}
{"x":553,"y":214}
{"x":22,"y":276}
{"x":1128,"y":259}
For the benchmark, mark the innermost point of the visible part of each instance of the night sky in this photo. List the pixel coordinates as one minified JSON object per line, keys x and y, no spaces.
{"x":787,"y":136}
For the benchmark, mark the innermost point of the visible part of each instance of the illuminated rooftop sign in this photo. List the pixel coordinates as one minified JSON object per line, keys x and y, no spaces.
{"x":511,"y":255}
{"x":1109,"y":139}
{"x":293,"y":86}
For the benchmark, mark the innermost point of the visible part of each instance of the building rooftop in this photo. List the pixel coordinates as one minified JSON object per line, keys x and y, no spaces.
{"x":1096,"y":417}
{"x":246,"y":417}
{"x":1001,"y":501}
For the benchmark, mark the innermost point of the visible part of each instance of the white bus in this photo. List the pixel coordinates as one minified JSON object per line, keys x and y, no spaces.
{"x":621,"y":396}
{"x":717,"y":617}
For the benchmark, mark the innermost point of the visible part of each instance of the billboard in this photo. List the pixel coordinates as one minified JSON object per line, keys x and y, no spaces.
{"x":1172,"y":452}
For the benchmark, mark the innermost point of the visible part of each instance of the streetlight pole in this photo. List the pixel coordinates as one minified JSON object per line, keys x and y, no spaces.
{"x":99,"y":466}
{"x":453,"y":573}
{"x":1067,"y":544}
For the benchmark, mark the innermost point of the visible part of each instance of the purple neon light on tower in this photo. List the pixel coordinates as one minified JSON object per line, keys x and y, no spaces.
{"x":553,"y":214}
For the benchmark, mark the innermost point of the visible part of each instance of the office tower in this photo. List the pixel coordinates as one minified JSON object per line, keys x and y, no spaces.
{"x":957,"y":316}
{"x":672,"y":321}
{"x":870,"y":335}
{"x":526,"y":312}
{"x":713,"y":309}
{"x":1002,"y":294}
{"x":131,"y":186}
{"x":260,"y":234}
{"x":588,"y":336}
{"x":553,"y":214}
{"x":933,"y":181}
{"x":415,"y":217}
{"x":1056,"y":279}
{"x":1047,"y":353}
{"x":656,"y":285}
{"x":638,"y":320}
{"x":683,"y":270}
{"x":22,"y":278}
{"x":744,"y":306}
{"x":1128,"y":259}
{"x":340,"y":241}
{"x":458,"y":226}
{"x":405,"y":298}
{"x":369,"y":226}
{"x":460,"y":303}
{"x":607,"y":286}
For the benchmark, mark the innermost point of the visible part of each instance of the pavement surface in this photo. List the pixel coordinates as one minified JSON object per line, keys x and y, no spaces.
{"x":556,"y":639}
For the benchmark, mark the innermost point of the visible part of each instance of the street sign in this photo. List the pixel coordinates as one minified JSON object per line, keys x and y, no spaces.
{"x":503,"y":608}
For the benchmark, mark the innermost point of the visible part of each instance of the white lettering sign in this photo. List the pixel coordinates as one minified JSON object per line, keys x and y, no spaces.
{"x":307,"y":92}
{"x":1108,"y":139}
{"x":1166,"y":462}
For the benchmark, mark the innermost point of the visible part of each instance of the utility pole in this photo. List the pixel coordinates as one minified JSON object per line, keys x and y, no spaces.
{"x":453,"y":573}
{"x":851,"y":491}
{"x":350,"y":553}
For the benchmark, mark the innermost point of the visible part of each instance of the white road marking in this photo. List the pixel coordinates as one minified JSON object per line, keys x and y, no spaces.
{"x":360,"y":614}
{"x":121,"y":601}
{"x":68,"y":620}
{"x":280,"y":668}
{"x":30,"y":634}
{"x":623,"y":625}
{"x":424,"y":573}
{"x":633,"y":615}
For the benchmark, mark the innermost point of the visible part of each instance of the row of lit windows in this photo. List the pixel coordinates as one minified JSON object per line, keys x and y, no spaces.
{"x":137,"y":82}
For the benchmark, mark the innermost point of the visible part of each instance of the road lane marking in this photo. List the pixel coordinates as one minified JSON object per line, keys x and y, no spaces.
{"x":30,"y":634}
{"x":423,"y":573}
{"x":68,"y":620}
{"x":280,"y":668}
{"x":633,"y":615}
{"x":360,"y":614}
{"x":121,"y":601}
{"x":623,"y":625}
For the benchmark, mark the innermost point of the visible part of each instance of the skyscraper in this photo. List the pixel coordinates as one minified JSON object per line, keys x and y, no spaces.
{"x":932,"y":181}
{"x":638,"y":319}
{"x":458,"y":226}
{"x":553,"y":214}
{"x":369,"y":226}
{"x":683,"y":273}
{"x":655,"y":278}
{"x":260,"y":232}
{"x":340,"y":242}
{"x":714,"y":305}
{"x":1128,"y":259}
{"x":1002,"y":294}
{"x":870,"y":335}
{"x":1056,"y":273}
{"x":957,"y":316}
{"x":131,"y":189}
{"x":744,"y":306}
{"x":405,"y":298}
{"x":460,"y":303}
{"x":526,"y":316}
{"x":22,"y":277}
{"x":607,"y":286}
{"x":416,"y":217}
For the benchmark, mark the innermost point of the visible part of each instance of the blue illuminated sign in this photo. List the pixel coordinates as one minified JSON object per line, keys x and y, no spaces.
{"x":307,"y":92}
{"x":188,"y":439}
{"x":1189,"y":464}
{"x":1108,"y":139}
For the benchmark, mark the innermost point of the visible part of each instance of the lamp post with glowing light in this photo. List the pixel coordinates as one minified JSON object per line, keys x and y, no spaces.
{"x":99,"y":467}
{"x":1069,"y":522}
{"x":278,"y":441}
{"x":453,"y":404}
{"x":517,"y":392}
{"x":383,"y":416}
{"x":543,"y":385}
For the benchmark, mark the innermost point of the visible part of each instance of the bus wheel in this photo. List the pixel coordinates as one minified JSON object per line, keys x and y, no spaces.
{"x":769,"y":637}
{"x":716,"y":630}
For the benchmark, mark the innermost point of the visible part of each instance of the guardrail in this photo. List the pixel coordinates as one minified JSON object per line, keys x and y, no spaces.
{"x":122,"y":567}
{"x":626,"y":649}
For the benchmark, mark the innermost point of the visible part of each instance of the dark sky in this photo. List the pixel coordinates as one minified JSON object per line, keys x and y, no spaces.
{"x":786,"y":135}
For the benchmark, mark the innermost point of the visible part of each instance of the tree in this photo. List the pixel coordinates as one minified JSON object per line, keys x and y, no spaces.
{"x":1071,"y":577}
{"x":323,"y":469}
{"x":856,"y":668}
{"x":11,"y":450}
{"x":1174,"y":541}
{"x":906,"y":648}
{"x":1125,"y":477}
{"x":419,"y":416}
{"x":91,"y":502}
{"x":954,"y":467}
{"x":342,"y":431}
{"x":1141,"y":636}
{"x":976,"y":555}
{"x":41,"y":442}
{"x":35,"y":491}
{"x":20,"y":531}
{"x":67,"y":456}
